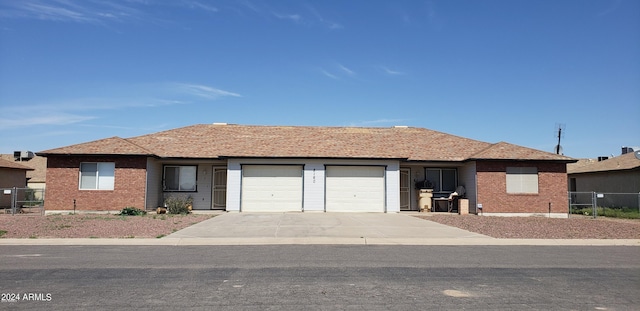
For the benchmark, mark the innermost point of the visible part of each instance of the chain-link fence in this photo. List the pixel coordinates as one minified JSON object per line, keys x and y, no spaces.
{"x":604,"y":203}
{"x":22,"y":201}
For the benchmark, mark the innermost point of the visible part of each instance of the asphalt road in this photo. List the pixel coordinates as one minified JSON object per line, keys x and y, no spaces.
{"x":320,"y":277}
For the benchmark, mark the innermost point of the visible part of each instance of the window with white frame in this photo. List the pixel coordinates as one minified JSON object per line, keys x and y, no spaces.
{"x":97,"y":175}
{"x":180,"y":177}
{"x":522,"y":180}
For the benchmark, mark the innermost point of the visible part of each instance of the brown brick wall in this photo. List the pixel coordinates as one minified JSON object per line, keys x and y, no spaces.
{"x":492,"y":188}
{"x":63,"y":177}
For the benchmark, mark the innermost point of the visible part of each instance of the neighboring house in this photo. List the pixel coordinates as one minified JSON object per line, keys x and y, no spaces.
{"x":12,"y":174}
{"x":36,"y":177}
{"x":298,"y":168}
{"x":619,"y":174}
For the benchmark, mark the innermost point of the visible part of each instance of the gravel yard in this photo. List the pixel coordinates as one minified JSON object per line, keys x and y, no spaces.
{"x":156,"y":226}
{"x":95,"y":225}
{"x":542,"y":227}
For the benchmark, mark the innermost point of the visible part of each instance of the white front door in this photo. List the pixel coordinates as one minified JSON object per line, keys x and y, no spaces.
{"x":271,"y":188}
{"x":355,"y":189}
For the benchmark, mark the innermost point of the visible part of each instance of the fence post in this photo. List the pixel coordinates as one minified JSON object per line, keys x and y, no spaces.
{"x":14,"y":197}
{"x":594,"y":204}
{"x":569,"y":199}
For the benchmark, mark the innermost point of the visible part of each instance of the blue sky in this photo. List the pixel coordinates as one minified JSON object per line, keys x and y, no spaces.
{"x":73,"y":71}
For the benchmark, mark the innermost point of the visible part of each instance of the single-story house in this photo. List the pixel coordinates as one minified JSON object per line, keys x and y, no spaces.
{"x":36,"y":178}
{"x":618,"y":177}
{"x":243,"y":168}
{"x":12,"y":174}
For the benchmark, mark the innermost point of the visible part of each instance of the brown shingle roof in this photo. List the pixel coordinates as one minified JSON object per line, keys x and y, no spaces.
{"x":13,"y":165}
{"x":216,"y":141}
{"x":626,"y":161}
{"x":107,"y":146}
{"x":507,"y":151}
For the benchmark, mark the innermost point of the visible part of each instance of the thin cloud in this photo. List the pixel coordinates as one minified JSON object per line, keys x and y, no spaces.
{"x":392,"y":72}
{"x":95,"y":12}
{"x":48,"y":119}
{"x":332,"y":76}
{"x":325,"y":22}
{"x":70,"y":11}
{"x":201,"y":6}
{"x":614,"y":6}
{"x":54,"y":13}
{"x":292,"y":17}
{"x":204,"y":91}
{"x":346,"y":70}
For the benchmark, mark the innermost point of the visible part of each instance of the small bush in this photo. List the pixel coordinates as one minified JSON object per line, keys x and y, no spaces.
{"x":2,"y":232}
{"x":177,"y":205}
{"x":132,"y":211}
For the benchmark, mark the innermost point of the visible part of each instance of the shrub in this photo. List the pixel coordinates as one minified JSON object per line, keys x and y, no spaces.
{"x":178,"y":205}
{"x":625,"y":212}
{"x":132,"y":211}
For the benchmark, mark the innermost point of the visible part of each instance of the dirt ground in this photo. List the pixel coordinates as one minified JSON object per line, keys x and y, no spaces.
{"x":157,"y":226}
{"x":95,"y":225}
{"x":576,"y":227}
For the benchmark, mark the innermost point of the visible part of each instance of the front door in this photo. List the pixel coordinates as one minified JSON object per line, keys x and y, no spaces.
{"x":219,"y":189}
{"x":405,"y":189}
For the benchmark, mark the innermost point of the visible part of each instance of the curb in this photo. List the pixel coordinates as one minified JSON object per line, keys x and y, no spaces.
{"x":321,"y":241}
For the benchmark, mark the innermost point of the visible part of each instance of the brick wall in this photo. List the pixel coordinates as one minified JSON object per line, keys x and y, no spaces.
{"x":63,"y":184}
{"x":492,"y":188}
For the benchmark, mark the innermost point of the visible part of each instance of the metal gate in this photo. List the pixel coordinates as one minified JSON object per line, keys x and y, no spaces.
{"x":22,"y":201}
{"x":590,"y":203}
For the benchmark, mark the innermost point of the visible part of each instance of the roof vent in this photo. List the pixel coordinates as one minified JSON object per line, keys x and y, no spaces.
{"x":602,"y":158}
{"x":626,"y":150}
{"x":400,"y":126}
{"x":220,"y":123}
{"x":23,"y":155}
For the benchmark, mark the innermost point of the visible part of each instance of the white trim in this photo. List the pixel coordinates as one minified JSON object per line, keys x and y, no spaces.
{"x":313,"y":193}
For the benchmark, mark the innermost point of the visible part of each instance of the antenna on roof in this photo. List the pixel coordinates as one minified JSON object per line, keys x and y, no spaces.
{"x":559,"y":128}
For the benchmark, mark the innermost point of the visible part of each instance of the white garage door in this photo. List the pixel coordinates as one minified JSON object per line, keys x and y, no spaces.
{"x":271,"y":188}
{"x":355,"y":189}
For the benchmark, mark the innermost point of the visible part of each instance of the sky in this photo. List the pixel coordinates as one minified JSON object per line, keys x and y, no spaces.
{"x":74,"y":71}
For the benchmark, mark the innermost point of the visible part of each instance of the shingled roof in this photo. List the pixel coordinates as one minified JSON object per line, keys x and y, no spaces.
{"x":13,"y":165}
{"x":626,"y":161}
{"x":219,"y":141}
{"x":107,"y":146}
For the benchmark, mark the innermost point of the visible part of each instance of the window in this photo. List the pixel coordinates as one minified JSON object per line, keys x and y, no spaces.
{"x":180,"y":177}
{"x":522,"y":180}
{"x":442,"y":179}
{"x":97,"y":176}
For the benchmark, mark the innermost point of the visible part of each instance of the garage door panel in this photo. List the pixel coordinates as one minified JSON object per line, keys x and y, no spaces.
{"x":271,"y":188}
{"x":355,"y":189}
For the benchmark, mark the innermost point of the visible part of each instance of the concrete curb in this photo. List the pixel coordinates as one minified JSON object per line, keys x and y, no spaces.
{"x":321,"y":241}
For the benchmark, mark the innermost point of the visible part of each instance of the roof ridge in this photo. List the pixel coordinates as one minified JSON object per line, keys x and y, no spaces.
{"x":138,"y":146}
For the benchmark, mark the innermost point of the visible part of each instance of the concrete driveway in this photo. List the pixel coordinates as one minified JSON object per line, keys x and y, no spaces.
{"x":322,"y":227}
